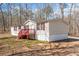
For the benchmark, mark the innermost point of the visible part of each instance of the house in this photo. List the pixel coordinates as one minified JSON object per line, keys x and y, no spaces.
{"x":15,"y":30}
{"x":31,"y":25}
{"x":52,"y":30}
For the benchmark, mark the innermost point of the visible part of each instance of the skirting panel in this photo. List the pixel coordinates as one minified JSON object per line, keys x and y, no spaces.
{"x":58,"y":37}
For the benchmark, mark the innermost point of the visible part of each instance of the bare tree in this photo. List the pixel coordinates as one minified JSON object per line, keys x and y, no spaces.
{"x":2,"y":18}
{"x":10,"y":13}
{"x":70,"y":20}
{"x":20,"y":14}
{"x":47,"y":10}
{"x":62,"y":10}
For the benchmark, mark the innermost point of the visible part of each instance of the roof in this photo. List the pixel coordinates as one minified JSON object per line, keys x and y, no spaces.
{"x":53,"y":20}
{"x":28,"y":21}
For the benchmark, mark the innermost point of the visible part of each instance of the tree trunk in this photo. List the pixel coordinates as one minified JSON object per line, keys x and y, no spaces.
{"x":20,"y":14}
{"x":70,"y":21}
{"x":10,"y":14}
{"x":3,"y":19}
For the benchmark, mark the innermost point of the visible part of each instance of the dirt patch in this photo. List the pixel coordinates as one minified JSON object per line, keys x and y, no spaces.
{"x":49,"y":52}
{"x":25,"y":47}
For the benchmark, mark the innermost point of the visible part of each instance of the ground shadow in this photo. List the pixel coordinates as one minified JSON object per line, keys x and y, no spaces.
{"x":66,"y":40}
{"x":6,"y":38}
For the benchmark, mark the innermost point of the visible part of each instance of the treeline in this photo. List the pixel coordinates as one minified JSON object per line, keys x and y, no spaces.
{"x":13,"y":14}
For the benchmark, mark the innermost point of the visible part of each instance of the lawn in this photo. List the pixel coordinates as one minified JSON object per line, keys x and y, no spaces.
{"x":10,"y":46}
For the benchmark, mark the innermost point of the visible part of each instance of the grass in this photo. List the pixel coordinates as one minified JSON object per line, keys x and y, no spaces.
{"x":12,"y":42}
{"x":8,"y":44}
{"x":11,"y":45}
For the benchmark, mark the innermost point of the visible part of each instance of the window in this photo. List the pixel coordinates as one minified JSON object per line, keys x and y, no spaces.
{"x":15,"y":28}
{"x":19,"y":27}
{"x":38,"y":27}
{"x":24,"y":27}
{"x":41,"y":27}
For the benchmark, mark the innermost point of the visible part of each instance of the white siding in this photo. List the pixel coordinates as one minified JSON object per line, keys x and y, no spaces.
{"x":14,"y":32}
{"x":58,"y":37}
{"x":43,"y":35}
{"x":32,"y":25}
{"x":53,"y":32}
{"x":57,"y":28}
{"x":57,"y":31}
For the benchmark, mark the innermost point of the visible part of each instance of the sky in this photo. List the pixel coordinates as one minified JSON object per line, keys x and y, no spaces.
{"x":34,"y":6}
